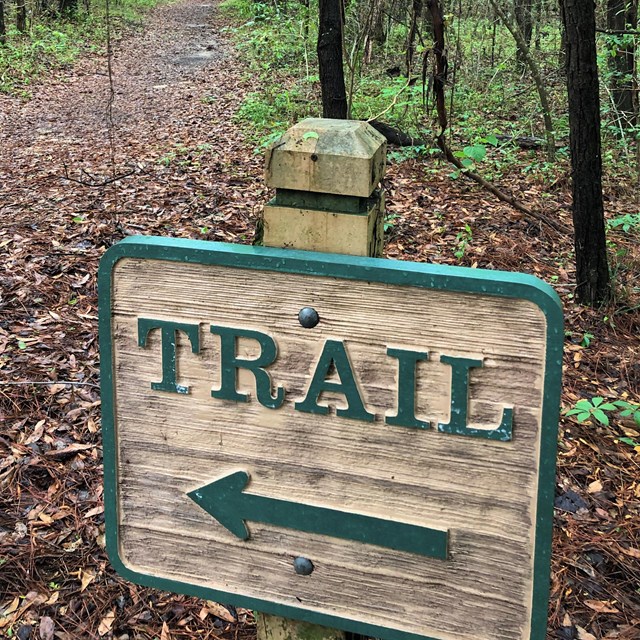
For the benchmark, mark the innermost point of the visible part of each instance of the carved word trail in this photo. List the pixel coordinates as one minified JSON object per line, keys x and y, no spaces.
{"x":334,"y":357}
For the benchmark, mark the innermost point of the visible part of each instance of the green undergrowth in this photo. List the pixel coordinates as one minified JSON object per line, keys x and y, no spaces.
{"x":489,"y":93}
{"x":279,"y":52}
{"x":279,"y":44}
{"x":53,"y":44}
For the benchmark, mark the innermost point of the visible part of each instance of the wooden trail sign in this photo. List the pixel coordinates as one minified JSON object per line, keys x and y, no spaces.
{"x":359,"y":443}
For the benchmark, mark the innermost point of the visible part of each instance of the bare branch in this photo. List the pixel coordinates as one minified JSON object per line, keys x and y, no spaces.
{"x":93,"y":181}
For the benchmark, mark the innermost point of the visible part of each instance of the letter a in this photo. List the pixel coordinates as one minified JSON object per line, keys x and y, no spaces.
{"x":335,"y":354}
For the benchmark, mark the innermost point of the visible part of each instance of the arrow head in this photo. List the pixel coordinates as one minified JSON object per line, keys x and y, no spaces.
{"x":223,"y":500}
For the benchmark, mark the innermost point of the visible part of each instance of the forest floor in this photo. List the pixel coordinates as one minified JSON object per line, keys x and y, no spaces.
{"x":84,"y":163}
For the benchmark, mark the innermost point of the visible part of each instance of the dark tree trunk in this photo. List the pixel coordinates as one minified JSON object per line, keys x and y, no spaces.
{"x":47,"y":8}
{"x":494,"y":30}
{"x":334,"y":95}
{"x":3,"y":28}
{"x":592,"y":270}
{"x":379,"y":31}
{"x":305,"y":19}
{"x":621,"y":16}
{"x":562,"y":53}
{"x":21,"y":15}
{"x":440,"y":70}
{"x":416,"y":12}
{"x":524,"y":19}
{"x":374,"y":29}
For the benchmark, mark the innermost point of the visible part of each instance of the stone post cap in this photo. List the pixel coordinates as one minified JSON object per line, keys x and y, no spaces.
{"x":344,"y":157}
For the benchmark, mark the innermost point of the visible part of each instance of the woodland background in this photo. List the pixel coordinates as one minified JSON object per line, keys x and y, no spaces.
{"x":132,"y":117}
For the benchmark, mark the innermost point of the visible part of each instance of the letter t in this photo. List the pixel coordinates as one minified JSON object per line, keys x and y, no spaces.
{"x":169,"y":356}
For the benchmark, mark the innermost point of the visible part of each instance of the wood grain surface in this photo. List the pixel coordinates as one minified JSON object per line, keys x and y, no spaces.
{"x":483,"y":492}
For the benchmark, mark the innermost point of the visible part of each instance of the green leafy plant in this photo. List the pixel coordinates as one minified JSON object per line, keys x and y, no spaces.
{"x":595,"y":408}
{"x":629,"y":223}
{"x":406,"y":153}
{"x":473,"y":155}
{"x":463,"y":238}
{"x":167,"y":159}
{"x":390,"y":221}
{"x":629,"y":410}
{"x":586,"y":339}
{"x":631,"y":442}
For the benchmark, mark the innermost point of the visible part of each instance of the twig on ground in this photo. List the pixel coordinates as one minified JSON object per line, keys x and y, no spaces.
{"x":95,"y":182}
{"x":38,"y":383}
{"x":501,"y":195}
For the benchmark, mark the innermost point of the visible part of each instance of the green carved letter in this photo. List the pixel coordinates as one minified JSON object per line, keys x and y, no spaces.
{"x":169,"y":331}
{"x":231,"y":363}
{"x":460,"y":400}
{"x":407,"y":363}
{"x":335,"y":354}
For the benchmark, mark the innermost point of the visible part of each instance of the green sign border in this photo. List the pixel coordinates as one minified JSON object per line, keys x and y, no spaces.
{"x":428,"y":276}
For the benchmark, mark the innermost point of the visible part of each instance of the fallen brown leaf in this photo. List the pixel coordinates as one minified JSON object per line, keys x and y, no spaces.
{"x":46,"y":628}
{"x":106,"y":623}
{"x":219,"y":611}
{"x":601,"y":606}
{"x":595,"y":487}
{"x":584,"y":635}
{"x":164,"y":634}
{"x":87,"y":576}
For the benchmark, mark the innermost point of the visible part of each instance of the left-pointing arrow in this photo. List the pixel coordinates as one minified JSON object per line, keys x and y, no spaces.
{"x":226,"y":501}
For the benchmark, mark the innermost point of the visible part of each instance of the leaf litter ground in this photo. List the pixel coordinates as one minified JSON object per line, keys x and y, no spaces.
{"x":83,"y":164}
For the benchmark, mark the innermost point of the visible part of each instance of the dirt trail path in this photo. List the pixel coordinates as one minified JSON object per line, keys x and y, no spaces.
{"x":176,"y":86}
{"x":188,"y":172}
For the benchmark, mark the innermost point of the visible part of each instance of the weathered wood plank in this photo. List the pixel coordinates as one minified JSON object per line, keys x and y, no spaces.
{"x":171,"y":444}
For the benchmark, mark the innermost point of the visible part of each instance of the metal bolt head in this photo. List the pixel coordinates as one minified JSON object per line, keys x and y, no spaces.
{"x":308,"y":317}
{"x":303,"y":566}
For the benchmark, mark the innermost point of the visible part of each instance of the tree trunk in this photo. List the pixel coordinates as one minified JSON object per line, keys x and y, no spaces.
{"x":334,"y":95}
{"x":562,"y":53}
{"x":439,"y":76}
{"x":494,"y":30}
{"x":416,"y":12}
{"x":621,"y":16}
{"x":21,"y":15}
{"x":427,"y":27}
{"x":523,"y":12}
{"x":537,"y":23}
{"x":373,"y":29}
{"x":3,"y":28}
{"x":379,"y":27}
{"x":528,"y":58}
{"x":592,"y":270}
